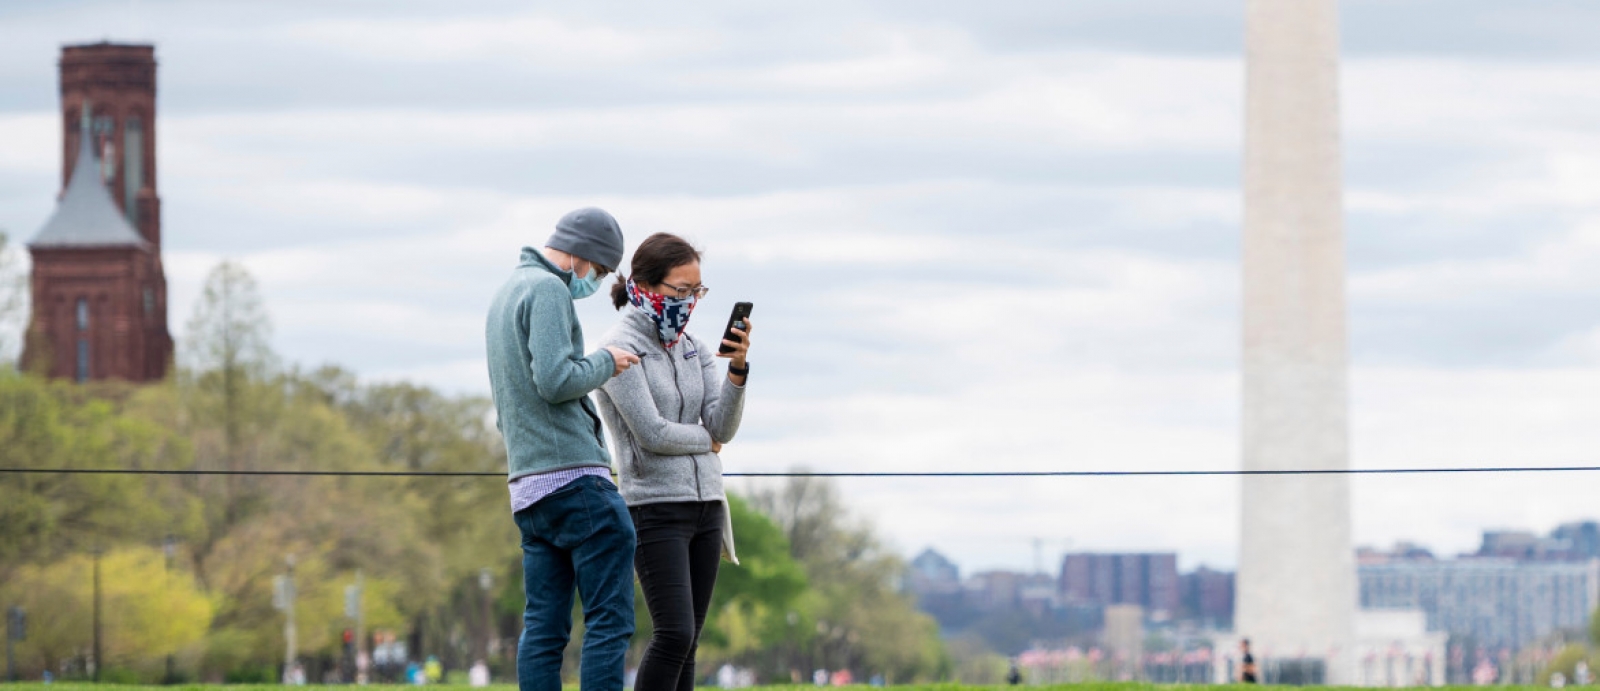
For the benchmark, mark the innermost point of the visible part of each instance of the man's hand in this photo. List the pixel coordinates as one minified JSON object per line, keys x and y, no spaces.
{"x":623,"y":358}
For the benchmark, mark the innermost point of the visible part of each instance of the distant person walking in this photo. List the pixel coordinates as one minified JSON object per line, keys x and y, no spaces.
{"x":575,"y":527}
{"x":671,"y":415}
{"x":1248,"y":673}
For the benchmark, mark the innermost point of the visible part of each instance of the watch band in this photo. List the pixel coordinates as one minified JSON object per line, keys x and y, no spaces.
{"x":739,"y":371}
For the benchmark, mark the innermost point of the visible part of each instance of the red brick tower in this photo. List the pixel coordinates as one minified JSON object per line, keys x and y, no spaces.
{"x":99,"y":292}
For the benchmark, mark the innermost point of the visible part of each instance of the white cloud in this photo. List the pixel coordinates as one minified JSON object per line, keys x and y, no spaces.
{"x":1467,"y":102}
{"x":1423,"y":417}
{"x":1566,"y":264}
{"x":903,"y":60}
{"x":552,"y":43}
{"x":32,"y":144}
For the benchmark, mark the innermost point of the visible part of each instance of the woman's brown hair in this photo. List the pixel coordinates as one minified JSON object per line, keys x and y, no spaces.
{"x":656,"y":257}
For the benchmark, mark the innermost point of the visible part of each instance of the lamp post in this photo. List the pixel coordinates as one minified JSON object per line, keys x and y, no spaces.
{"x":289,"y":634}
{"x":283,"y":599}
{"x":486,"y":582}
{"x":354,"y":610}
{"x":99,"y":658}
{"x":169,"y":547}
{"x":16,"y":630}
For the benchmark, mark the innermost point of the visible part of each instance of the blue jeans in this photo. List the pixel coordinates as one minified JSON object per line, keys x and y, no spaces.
{"x":579,"y":535}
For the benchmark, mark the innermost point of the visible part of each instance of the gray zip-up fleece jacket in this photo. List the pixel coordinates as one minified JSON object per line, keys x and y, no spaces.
{"x":664,"y":412}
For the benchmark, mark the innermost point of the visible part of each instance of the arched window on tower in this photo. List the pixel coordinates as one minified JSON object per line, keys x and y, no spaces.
{"x":83,"y":339}
{"x":74,"y":130}
{"x":83,"y":360}
{"x":102,"y":133}
{"x":132,"y":165}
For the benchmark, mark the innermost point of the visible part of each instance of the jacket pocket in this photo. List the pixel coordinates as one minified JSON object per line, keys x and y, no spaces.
{"x":594,"y":416}
{"x":636,"y":459}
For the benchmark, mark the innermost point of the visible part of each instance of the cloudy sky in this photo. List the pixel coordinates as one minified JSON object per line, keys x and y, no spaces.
{"x":977,"y":235}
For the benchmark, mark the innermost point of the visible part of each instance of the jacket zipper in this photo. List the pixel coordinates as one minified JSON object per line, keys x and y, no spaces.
{"x":694,"y":460}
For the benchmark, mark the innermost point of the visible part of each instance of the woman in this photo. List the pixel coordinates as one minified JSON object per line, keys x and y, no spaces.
{"x":670,"y":415}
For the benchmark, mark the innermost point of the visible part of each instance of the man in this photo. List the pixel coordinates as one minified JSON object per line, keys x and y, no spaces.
{"x":1247,"y":664}
{"x":575,"y":527}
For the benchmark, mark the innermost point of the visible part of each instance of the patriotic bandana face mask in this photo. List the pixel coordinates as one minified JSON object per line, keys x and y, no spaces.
{"x":671,"y":314}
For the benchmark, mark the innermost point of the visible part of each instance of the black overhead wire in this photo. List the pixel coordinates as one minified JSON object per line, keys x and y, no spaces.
{"x":802,"y":473}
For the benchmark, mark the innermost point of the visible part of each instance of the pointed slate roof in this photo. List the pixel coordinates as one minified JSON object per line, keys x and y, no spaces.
{"x":87,"y":215}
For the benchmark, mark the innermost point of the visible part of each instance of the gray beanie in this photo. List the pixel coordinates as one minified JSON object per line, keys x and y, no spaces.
{"x":590,"y":234}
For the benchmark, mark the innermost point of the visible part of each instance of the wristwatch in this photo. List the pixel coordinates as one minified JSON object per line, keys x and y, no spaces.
{"x":739,"y":371}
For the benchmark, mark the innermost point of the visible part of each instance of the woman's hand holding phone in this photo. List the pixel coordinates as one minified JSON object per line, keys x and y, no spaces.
{"x":738,"y":350}
{"x":736,"y":347}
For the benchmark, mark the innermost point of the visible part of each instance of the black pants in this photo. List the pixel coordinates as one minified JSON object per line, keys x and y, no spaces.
{"x":680,"y":545}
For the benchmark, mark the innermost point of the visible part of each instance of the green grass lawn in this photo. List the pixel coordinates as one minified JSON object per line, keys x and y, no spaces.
{"x":1088,"y":686}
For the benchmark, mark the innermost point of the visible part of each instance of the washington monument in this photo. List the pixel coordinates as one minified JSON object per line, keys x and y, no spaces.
{"x":1296,"y":583}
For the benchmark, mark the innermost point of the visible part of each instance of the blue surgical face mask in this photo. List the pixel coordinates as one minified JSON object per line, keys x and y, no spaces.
{"x":585,"y":286}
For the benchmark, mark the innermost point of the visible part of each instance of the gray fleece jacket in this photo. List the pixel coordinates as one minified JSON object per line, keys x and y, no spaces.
{"x":664,"y":412}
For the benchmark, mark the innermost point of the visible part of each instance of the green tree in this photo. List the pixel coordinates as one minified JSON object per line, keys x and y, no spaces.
{"x":332,"y":525}
{"x":754,"y":609}
{"x":1566,"y":662}
{"x":466,"y":519}
{"x":229,"y":345}
{"x":420,"y":542}
{"x":862,"y":622}
{"x":243,"y":412}
{"x":228,"y":400}
{"x":418,"y":429}
{"x":764,"y":585}
{"x":55,"y":425}
{"x":148,"y":611}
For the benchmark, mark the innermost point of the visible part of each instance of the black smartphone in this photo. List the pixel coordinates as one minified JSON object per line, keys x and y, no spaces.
{"x":735,"y":320}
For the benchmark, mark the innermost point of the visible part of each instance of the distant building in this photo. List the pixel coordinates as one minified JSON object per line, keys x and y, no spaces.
{"x":1124,"y":637}
{"x":1390,"y":648}
{"x":1403,"y":551}
{"x":936,"y":583}
{"x":1149,"y":580}
{"x":1395,"y":649}
{"x":990,"y":590}
{"x":1207,"y":597}
{"x":1523,"y":545}
{"x":99,"y":292}
{"x":1582,"y":538}
{"x":1038,"y":594}
{"x":931,"y":573}
{"x":1498,"y":602}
